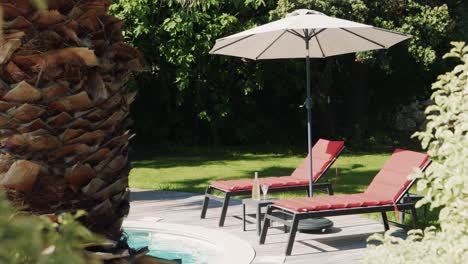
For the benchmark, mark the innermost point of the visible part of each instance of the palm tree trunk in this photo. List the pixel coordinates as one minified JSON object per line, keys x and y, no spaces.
{"x":64,"y":116}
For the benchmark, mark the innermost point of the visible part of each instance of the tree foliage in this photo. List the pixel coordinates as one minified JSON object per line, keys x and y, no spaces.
{"x":181,"y":69}
{"x":428,"y":24}
{"x":189,"y":96}
{"x":445,"y":182}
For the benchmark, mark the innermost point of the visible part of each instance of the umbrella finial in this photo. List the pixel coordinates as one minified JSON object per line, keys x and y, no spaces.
{"x":303,"y":12}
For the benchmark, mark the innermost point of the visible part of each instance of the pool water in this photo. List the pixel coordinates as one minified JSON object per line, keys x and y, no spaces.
{"x":172,"y":246}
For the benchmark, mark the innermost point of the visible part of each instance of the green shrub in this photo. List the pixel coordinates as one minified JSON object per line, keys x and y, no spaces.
{"x":26,"y":239}
{"x":445,"y":181}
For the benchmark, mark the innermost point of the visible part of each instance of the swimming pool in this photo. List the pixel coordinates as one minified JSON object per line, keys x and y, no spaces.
{"x":170,"y":246}
{"x":191,"y":244}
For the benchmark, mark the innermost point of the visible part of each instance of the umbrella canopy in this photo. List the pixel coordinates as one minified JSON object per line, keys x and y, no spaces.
{"x":306,"y":34}
{"x":326,"y":36}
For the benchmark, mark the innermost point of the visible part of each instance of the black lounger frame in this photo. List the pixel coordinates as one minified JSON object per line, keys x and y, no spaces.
{"x":400,"y":203}
{"x":228,"y":194}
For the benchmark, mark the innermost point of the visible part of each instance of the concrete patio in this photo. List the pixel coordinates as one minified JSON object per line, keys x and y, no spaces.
{"x":344,"y":244}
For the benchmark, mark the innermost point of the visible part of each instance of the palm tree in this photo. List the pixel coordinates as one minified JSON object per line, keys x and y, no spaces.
{"x":64,"y":110}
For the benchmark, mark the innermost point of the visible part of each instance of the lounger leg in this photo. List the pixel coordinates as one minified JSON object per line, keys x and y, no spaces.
{"x":330,"y":189}
{"x":266,"y":225}
{"x":206,"y":201}
{"x":403,"y":211}
{"x":414,"y":217}
{"x":243,"y":216}
{"x":258,"y":219}
{"x":292,"y":235}
{"x":385,"y":220}
{"x":227,"y":197}
{"x":425,"y":212}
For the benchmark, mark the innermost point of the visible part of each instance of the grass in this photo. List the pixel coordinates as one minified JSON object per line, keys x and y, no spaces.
{"x":191,"y":169}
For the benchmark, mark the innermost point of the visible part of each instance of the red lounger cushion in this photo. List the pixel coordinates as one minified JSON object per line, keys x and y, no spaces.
{"x":323,"y":153}
{"x":328,"y":202}
{"x":392,"y":180}
{"x":385,"y":188}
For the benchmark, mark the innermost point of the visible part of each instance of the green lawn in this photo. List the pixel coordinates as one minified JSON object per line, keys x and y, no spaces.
{"x":191,"y":169}
{"x":192,"y":173}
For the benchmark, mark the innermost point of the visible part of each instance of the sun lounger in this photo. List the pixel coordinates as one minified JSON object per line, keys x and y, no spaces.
{"x":384,"y":193}
{"x":324,"y":154}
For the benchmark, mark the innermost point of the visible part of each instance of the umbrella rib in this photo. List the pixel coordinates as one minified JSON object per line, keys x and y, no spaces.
{"x":318,"y":42}
{"x":314,"y":34}
{"x":357,"y":35}
{"x":394,"y":32}
{"x":295,"y":33}
{"x":229,"y":44}
{"x":271,"y":44}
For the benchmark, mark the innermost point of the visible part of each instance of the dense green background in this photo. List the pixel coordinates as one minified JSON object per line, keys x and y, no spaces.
{"x":190,"y":97}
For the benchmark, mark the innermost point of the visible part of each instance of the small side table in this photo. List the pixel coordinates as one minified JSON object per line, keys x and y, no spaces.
{"x":258,"y":204}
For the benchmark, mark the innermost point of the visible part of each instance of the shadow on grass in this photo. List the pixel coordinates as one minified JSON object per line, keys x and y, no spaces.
{"x":195,"y":161}
{"x":275,"y":171}
{"x":189,"y":157}
{"x":349,"y":180}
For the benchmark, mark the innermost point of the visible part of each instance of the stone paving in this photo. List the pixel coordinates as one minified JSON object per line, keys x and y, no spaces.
{"x":345,"y":243}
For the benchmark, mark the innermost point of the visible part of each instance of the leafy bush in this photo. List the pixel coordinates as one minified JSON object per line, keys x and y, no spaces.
{"x":28,"y":239}
{"x":188,"y":96}
{"x":445,"y":181}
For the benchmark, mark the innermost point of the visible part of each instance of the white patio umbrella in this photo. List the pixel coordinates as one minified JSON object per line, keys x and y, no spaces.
{"x":306,"y":34}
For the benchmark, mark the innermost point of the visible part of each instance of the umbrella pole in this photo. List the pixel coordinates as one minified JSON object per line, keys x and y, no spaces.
{"x":312,"y":224}
{"x":309,"y":116}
